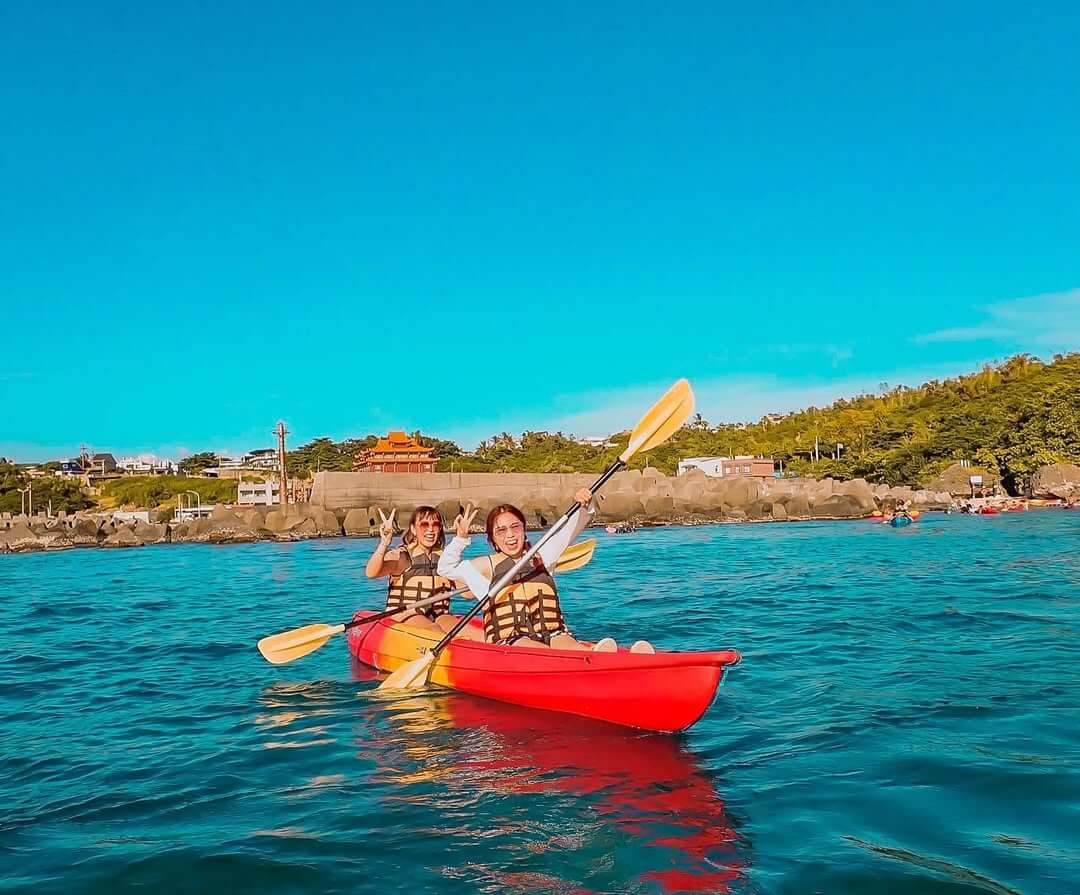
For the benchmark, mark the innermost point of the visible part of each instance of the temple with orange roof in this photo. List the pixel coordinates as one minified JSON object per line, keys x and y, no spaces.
{"x":397,"y":452}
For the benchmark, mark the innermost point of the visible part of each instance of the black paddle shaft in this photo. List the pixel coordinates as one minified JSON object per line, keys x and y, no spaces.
{"x":520,"y":564}
{"x":387,"y":613}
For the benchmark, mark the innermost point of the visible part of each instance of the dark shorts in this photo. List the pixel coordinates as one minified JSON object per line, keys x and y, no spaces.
{"x":510,"y":641}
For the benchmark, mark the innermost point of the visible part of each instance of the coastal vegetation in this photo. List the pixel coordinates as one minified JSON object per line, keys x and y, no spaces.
{"x":154,"y":491}
{"x":1008,"y":418}
{"x":59,"y":493}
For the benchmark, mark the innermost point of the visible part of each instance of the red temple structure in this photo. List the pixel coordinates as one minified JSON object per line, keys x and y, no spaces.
{"x":397,"y":452}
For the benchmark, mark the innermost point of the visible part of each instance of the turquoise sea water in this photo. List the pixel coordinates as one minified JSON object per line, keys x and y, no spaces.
{"x":905,"y":720}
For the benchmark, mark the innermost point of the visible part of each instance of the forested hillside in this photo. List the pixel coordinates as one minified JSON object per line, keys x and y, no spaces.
{"x":1010,"y":418}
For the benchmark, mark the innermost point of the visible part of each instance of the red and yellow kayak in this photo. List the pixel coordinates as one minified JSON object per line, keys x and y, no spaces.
{"x":663,"y":692}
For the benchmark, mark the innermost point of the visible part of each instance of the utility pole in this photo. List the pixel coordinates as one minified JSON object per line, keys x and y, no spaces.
{"x":281,"y":431}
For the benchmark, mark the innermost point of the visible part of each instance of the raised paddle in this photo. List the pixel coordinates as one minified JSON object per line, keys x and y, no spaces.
{"x":654,"y":428}
{"x":288,"y":646}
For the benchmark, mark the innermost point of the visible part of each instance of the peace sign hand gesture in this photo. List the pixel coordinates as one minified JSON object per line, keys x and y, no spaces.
{"x":386,"y":529}
{"x":464,"y":520}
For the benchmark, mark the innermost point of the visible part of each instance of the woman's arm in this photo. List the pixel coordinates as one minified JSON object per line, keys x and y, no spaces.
{"x":553,"y":549}
{"x":462,"y":571}
{"x":383,"y":563}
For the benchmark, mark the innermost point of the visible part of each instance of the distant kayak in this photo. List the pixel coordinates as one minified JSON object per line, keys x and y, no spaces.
{"x":989,"y":511}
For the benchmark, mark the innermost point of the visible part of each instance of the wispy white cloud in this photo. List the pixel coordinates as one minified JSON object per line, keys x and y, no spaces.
{"x":1049,"y":321}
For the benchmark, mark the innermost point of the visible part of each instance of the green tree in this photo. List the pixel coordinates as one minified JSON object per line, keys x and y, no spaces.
{"x":197,"y":463}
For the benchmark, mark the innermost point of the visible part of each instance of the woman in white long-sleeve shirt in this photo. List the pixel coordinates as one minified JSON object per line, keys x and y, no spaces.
{"x":526,"y":612}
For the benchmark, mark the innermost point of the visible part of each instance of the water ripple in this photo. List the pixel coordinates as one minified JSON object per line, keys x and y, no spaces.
{"x":904,"y":720}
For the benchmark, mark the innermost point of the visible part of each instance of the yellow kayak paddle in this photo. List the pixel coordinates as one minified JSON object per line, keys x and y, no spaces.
{"x":661,"y":421}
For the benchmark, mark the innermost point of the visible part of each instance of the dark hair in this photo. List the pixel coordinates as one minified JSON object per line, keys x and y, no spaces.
{"x":498,"y":511}
{"x":425,"y":511}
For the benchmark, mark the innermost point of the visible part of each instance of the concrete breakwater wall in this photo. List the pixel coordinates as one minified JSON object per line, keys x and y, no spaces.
{"x":633,"y":495}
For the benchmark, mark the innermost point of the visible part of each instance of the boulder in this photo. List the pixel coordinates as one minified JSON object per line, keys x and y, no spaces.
{"x":450,"y":507}
{"x":779,"y":514}
{"x":735,"y":491}
{"x":151,"y":533}
{"x":122,"y":537}
{"x":838,"y":506}
{"x":51,"y":535}
{"x":690,"y":499}
{"x":859,"y":490}
{"x":899,"y":493}
{"x":735,"y":514}
{"x":20,"y":538}
{"x":254,"y":518}
{"x":796,"y":507}
{"x":356,"y":522}
{"x":759,"y":510}
{"x":659,"y":508}
{"x":280,"y":522}
{"x":689,"y":480}
{"x":326,"y":523}
{"x":956,"y":480}
{"x":619,"y":506}
{"x":1057,"y":481}
{"x":817,"y":491}
{"x":85,"y":531}
{"x":931,"y":500}
{"x":628,"y":480}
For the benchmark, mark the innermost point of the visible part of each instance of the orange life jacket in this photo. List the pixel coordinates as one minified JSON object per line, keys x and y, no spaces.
{"x":527,"y":607}
{"x":418,"y":582}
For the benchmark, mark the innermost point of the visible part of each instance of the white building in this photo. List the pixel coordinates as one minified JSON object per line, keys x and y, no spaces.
{"x":596,"y":441}
{"x":257,"y":494}
{"x":131,"y":516}
{"x":146,"y":464}
{"x":263,"y":458}
{"x":721,"y":467}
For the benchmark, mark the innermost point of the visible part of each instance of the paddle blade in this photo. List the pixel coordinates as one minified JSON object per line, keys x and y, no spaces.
{"x":410,"y":676}
{"x":290,"y":645}
{"x":662,"y":420}
{"x":575,"y":556}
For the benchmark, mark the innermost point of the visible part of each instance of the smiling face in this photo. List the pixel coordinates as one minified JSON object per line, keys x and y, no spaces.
{"x":508,"y":534}
{"x":426,"y":529}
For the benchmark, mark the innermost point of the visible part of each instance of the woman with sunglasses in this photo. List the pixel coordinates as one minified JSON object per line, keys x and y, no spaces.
{"x":527,"y":611}
{"x":413,"y":572}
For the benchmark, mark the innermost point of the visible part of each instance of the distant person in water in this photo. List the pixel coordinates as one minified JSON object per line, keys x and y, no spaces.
{"x":413,"y":572}
{"x":527,"y":611}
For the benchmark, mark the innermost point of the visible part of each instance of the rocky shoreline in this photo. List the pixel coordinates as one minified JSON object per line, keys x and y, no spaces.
{"x":640,"y":497}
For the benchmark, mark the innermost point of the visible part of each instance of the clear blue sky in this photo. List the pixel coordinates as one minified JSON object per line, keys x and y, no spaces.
{"x":474,"y":217}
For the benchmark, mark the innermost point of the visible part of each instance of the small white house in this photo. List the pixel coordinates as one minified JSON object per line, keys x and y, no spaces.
{"x":258,"y":494}
{"x":146,"y":464}
{"x":722,"y":467}
{"x":263,"y":458}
